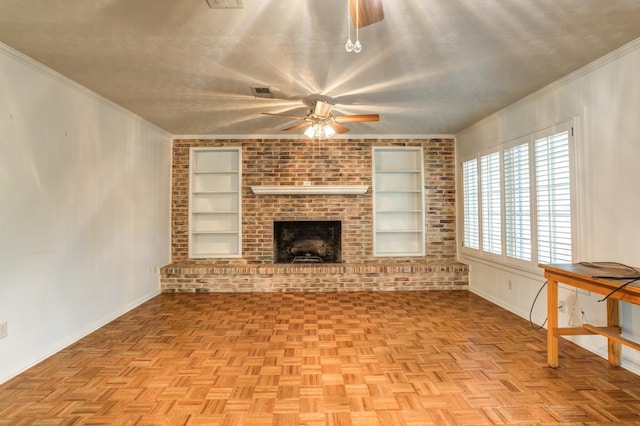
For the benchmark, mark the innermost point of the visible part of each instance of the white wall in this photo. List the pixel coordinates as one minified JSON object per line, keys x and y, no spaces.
{"x":604,"y":99}
{"x":84,"y":211}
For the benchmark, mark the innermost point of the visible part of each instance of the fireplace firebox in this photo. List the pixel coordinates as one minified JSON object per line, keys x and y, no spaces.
{"x":306,"y":241}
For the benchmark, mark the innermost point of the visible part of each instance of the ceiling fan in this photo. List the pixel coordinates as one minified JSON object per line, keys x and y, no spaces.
{"x":319,"y":121}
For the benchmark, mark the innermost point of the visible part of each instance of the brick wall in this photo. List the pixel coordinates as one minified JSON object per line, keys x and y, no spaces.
{"x":330,"y":162}
{"x":336,"y":162}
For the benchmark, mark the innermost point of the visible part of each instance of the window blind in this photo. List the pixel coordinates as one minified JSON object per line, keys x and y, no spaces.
{"x":517,"y":202}
{"x":470,"y":204}
{"x":491,"y":205}
{"x":553,"y":198}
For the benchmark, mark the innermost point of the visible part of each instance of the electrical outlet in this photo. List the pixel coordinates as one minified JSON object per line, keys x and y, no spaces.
{"x":509,"y":282}
{"x":4,"y":329}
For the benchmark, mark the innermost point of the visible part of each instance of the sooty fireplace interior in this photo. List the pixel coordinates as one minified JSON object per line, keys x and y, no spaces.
{"x":304,"y":241}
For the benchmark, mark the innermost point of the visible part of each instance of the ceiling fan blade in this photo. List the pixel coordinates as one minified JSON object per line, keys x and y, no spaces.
{"x":297,"y":117}
{"x":296,"y":127}
{"x":356,"y":118}
{"x":369,"y":12}
{"x":339,"y":128}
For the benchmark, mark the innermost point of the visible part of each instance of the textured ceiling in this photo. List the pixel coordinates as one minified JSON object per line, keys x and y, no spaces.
{"x":430,"y":67}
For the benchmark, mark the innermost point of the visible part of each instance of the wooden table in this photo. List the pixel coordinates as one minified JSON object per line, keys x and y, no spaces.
{"x":584,"y":276}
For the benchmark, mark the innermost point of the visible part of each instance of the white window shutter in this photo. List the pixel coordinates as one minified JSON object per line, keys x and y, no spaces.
{"x":470,"y":204}
{"x":553,"y":198}
{"x":517,"y":200}
{"x":491,"y":203}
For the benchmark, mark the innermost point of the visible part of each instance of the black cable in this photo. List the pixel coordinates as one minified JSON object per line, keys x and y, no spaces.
{"x":619,"y":288}
{"x":531,"y":310}
{"x":604,"y":265}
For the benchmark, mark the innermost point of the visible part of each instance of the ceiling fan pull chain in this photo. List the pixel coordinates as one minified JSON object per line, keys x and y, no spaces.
{"x":349,"y":44}
{"x":357,"y":47}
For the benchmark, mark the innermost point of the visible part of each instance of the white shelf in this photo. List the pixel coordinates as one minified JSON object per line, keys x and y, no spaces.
{"x":215,"y":207}
{"x":399,"y":231}
{"x":398,"y":199}
{"x":213,"y":192}
{"x":310,"y":190}
{"x":397,"y":171}
{"x":402,"y":191}
{"x":221,"y":212}
{"x":231,"y":231}
{"x":213,"y":172}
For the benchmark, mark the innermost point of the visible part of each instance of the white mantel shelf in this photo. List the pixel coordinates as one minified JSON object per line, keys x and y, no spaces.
{"x":310,"y":189}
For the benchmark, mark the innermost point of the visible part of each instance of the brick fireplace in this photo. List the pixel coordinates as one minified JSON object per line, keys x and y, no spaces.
{"x":328,"y":162}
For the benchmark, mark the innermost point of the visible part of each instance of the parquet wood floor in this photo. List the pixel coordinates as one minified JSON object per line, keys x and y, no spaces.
{"x":386,"y":358}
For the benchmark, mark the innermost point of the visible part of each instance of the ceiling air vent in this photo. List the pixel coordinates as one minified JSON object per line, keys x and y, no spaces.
{"x":261,"y":92}
{"x":225,"y":4}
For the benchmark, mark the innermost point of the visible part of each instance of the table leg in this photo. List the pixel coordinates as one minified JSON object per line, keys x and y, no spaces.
{"x":552,"y":322}
{"x":613,"y":320}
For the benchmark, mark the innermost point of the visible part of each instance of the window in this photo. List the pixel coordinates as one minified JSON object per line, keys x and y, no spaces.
{"x":491,"y":205}
{"x":553,"y":197}
{"x":470,"y":204}
{"x":517,"y":201}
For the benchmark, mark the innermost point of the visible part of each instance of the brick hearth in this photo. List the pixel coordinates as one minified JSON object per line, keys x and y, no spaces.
{"x":332,"y":162}
{"x":202,"y":277}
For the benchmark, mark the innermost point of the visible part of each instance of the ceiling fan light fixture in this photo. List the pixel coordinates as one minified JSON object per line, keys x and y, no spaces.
{"x":328,"y":131}
{"x":319,"y":130}
{"x":310,"y":132}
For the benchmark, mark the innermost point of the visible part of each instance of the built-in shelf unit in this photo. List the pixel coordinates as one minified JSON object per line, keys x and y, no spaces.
{"x":398,"y":200}
{"x":215,"y":203}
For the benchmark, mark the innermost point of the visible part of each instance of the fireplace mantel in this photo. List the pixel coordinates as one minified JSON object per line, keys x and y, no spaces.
{"x":310,"y":189}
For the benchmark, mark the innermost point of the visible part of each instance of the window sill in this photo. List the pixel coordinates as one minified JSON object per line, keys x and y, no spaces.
{"x":533,"y":273}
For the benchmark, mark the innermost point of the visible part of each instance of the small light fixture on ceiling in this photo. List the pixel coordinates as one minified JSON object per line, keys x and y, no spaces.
{"x":349,"y":45}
